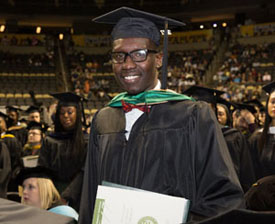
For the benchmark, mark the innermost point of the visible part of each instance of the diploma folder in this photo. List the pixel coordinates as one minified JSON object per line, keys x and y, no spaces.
{"x":126,"y":205}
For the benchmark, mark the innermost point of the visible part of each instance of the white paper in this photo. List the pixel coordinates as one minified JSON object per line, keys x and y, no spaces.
{"x":124,"y":206}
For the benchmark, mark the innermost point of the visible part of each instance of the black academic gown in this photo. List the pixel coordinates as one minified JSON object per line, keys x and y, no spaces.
{"x":5,"y":169}
{"x":241,"y":157}
{"x":264,"y":162}
{"x":15,"y":151}
{"x":176,"y":149}
{"x":56,"y":155}
{"x":20,"y":133}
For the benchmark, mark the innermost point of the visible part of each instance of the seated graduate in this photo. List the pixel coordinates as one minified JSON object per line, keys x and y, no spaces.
{"x":152,"y":139}
{"x":5,"y":169}
{"x":14,"y":148}
{"x":14,"y":126}
{"x":39,"y":191}
{"x":33,"y":114}
{"x":35,"y":138}
{"x":236,"y":142}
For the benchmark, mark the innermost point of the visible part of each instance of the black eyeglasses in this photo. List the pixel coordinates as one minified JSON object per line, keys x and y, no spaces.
{"x":139,"y":55}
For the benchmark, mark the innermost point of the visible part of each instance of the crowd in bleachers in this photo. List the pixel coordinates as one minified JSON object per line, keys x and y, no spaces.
{"x":245,"y":69}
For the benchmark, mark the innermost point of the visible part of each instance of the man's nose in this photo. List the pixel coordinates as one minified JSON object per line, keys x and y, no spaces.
{"x":128,"y":62}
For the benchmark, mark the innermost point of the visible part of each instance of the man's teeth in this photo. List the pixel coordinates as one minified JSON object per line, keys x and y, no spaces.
{"x":130,"y":77}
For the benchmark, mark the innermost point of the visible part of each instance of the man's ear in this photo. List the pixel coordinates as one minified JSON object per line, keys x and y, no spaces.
{"x":159,"y":57}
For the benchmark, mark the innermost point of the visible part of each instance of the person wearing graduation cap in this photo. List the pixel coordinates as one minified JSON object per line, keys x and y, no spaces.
{"x":237,"y":144}
{"x":38,"y":190}
{"x":244,"y":119}
{"x":33,"y":114}
{"x":35,"y":138}
{"x":262,"y":142}
{"x":14,"y":126}
{"x":64,"y":150}
{"x":5,"y":169}
{"x":14,"y":148}
{"x":260,"y":111}
{"x":152,"y":138}
{"x":224,"y":111}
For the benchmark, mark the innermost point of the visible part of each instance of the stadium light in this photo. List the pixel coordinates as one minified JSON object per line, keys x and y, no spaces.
{"x":215,"y":25}
{"x":2,"y":28}
{"x":224,"y":24}
{"x":168,"y":31}
{"x":61,"y":36}
{"x":201,"y":26}
{"x":38,"y":30}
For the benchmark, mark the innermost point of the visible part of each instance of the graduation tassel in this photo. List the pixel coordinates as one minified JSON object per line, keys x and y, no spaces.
{"x":165,"y":57}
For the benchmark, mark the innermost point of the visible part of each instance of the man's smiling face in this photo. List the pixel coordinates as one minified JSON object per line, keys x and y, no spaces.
{"x":136,"y":77}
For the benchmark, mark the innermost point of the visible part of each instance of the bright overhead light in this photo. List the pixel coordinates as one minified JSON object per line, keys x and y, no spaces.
{"x":201,"y":26}
{"x":215,"y":25}
{"x":61,"y":36}
{"x":168,"y":31}
{"x":224,"y":24}
{"x":38,"y":29}
{"x":2,"y":28}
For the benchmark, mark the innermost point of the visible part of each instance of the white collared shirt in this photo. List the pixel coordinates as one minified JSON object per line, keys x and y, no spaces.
{"x":132,"y":116}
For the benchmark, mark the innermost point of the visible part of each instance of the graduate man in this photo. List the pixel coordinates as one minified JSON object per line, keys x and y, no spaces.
{"x":153,"y":139}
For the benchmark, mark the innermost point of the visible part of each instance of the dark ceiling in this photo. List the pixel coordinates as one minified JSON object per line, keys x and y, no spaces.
{"x":78,"y":13}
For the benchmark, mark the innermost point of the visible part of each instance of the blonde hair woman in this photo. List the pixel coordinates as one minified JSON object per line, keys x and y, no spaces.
{"x":39,"y":191}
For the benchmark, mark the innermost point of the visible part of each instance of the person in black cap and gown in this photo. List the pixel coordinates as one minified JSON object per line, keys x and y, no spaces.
{"x":14,"y":126}
{"x":5,"y":169}
{"x":34,"y":114}
{"x":153,"y":139}
{"x":262,"y":142}
{"x":236,"y":142}
{"x":36,"y":132}
{"x":15,"y":150}
{"x":244,"y":120}
{"x":64,"y":150}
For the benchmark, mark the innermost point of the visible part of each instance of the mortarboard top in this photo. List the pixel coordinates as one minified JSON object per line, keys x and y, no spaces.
{"x":244,"y":106}
{"x":255,"y":102}
{"x":38,"y":171}
{"x":32,"y":109}
{"x":3,"y":115}
{"x":12,"y":108}
{"x":37,"y":125}
{"x":203,"y":93}
{"x":67,"y":98}
{"x":131,"y":23}
{"x":269,"y":88}
{"x":241,"y":216}
{"x":229,"y":105}
{"x":260,"y":196}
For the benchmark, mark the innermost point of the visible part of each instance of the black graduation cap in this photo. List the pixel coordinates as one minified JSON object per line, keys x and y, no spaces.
{"x":135,"y":23}
{"x":241,"y":216}
{"x":229,"y":105}
{"x":3,"y":115}
{"x":261,"y":196}
{"x":203,"y":93}
{"x":13,"y":108}
{"x":71,"y":99}
{"x":67,"y":98}
{"x":32,"y":109}
{"x":38,"y":171}
{"x":269,"y":88}
{"x":255,"y":102}
{"x":37,"y":125}
{"x":244,"y":106}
